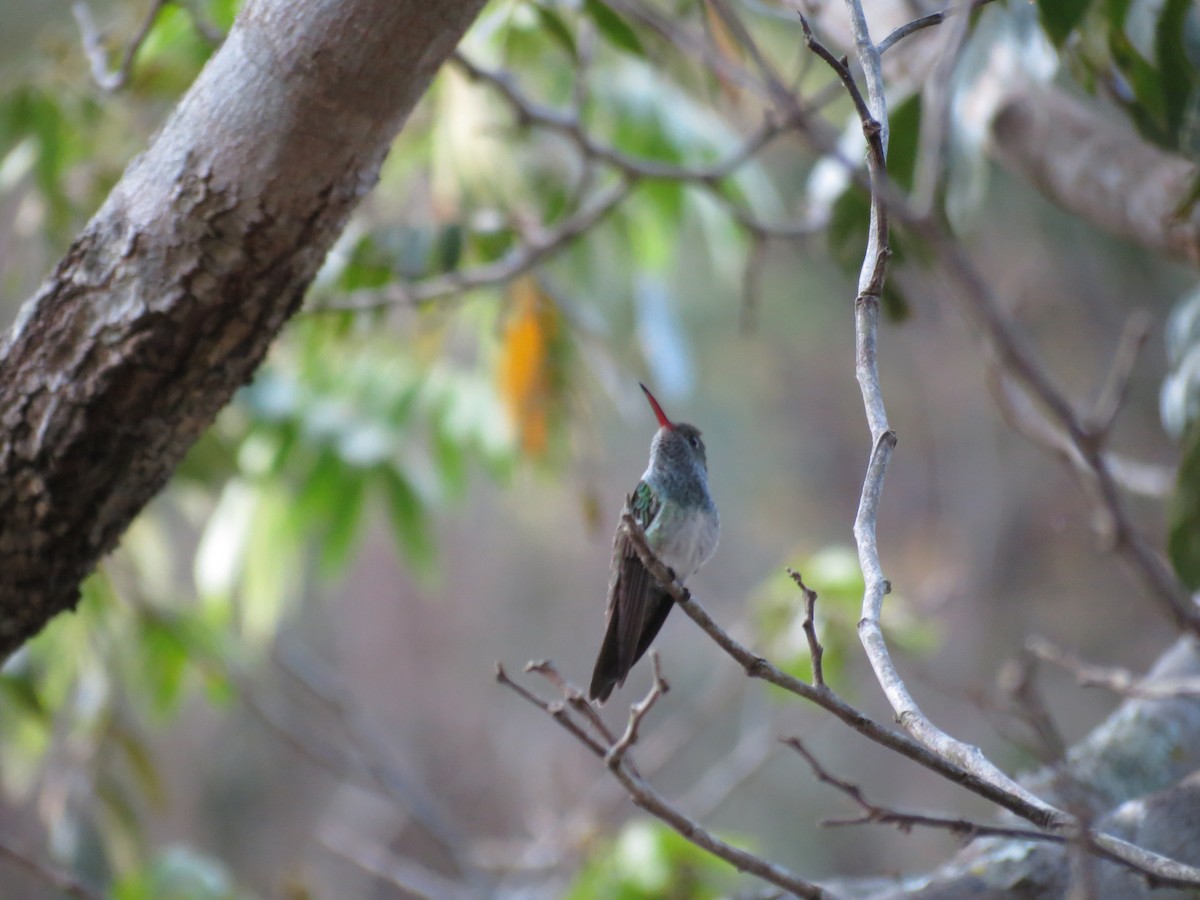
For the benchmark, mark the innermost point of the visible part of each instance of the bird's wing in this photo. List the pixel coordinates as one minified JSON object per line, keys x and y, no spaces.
{"x":636,"y":607}
{"x":637,"y":598}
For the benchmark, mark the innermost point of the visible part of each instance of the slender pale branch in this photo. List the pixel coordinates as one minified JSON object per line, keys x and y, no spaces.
{"x":907,"y":711}
{"x":1119,"y":681}
{"x":637,"y":712}
{"x":1115,"y":387}
{"x":912,"y":27}
{"x":93,"y":45}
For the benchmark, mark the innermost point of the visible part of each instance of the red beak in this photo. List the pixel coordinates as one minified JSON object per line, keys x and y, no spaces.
{"x":663,"y":421}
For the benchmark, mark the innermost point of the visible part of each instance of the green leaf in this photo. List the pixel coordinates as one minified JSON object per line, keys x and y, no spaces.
{"x":450,"y":247}
{"x":330,"y":503}
{"x":1183,"y":537}
{"x":1061,"y":17}
{"x":340,"y":539}
{"x":164,"y":664}
{"x":653,"y":237}
{"x":905,"y":137}
{"x":615,"y":29}
{"x":847,"y":231}
{"x":171,"y":55}
{"x":895,"y":304}
{"x":28,"y":111}
{"x":140,"y":762}
{"x":369,"y":266}
{"x":20,"y":689}
{"x":1176,"y":76}
{"x":490,"y":244}
{"x":178,"y":873}
{"x":410,"y":524}
{"x":554,"y":26}
{"x":1116,"y":11}
{"x":649,"y":861}
{"x":1148,"y":111}
{"x":116,"y":816}
{"x":271,"y":567}
{"x":450,"y":457}
{"x":222,"y":13}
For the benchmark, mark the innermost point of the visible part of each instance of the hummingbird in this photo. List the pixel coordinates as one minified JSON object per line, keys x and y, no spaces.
{"x":677,"y":513}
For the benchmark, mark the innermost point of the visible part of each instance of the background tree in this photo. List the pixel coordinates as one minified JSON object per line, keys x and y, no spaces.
{"x":688,"y":204}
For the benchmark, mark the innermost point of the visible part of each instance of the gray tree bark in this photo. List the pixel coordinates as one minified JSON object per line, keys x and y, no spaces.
{"x":168,"y":299}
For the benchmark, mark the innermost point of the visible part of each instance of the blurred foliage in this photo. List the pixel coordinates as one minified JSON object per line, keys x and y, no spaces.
{"x":178,"y":873}
{"x":649,"y":861}
{"x":385,"y":415}
{"x":1145,"y":56}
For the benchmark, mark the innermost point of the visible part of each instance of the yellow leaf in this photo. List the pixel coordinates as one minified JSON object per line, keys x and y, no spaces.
{"x":528,"y":359}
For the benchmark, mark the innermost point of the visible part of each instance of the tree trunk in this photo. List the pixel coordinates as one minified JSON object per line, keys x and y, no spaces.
{"x":168,"y":299}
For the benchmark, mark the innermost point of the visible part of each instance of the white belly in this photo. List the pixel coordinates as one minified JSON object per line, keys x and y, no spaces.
{"x":686,"y":542}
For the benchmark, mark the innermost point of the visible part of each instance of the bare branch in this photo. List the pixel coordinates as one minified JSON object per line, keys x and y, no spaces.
{"x":576,"y":698}
{"x":1135,"y":476}
{"x":93,"y":45}
{"x":780,"y":94}
{"x":1020,"y":363}
{"x":1116,"y":383}
{"x":1119,"y":681}
{"x":945,"y":747}
{"x":758,"y":667}
{"x":1019,"y":680}
{"x":905,"y":821}
{"x":529,"y":112}
{"x":537,"y":247}
{"x":554,"y":710}
{"x":637,"y":712}
{"x":908,"y":713}
{"x":1090,"y":843}
{"x":816,"y":651}
{"x":923,"y":22}
{"x":690,"y":42}
{"x":708,"y":177}
{"x":644,"y":796}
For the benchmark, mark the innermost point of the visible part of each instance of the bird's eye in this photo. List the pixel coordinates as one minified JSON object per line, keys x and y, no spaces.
{"x":694,"y":440}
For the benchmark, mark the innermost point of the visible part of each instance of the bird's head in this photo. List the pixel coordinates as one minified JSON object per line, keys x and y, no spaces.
{"x":676,"y":442}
